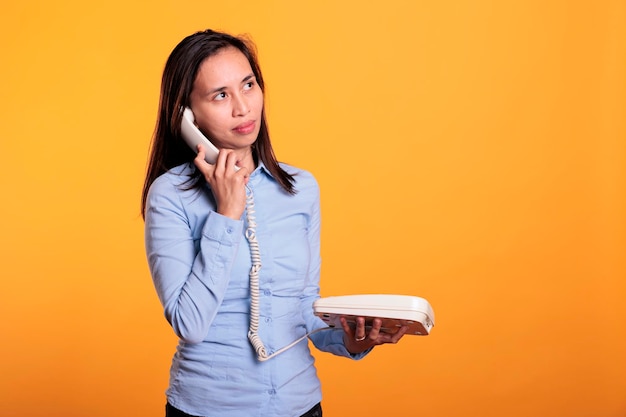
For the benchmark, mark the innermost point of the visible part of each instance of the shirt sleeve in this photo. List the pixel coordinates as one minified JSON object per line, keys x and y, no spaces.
{"x":190,"y":277}
{"x":328,"y":340}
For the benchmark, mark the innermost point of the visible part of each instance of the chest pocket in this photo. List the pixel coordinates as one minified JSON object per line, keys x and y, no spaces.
{"x":288,"y":250}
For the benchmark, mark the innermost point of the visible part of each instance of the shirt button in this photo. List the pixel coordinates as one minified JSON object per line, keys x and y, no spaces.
{"x":271,"y":391}
{"x":229,"y":230}
{"x":267,"y":292}
{"x":268,"y":319}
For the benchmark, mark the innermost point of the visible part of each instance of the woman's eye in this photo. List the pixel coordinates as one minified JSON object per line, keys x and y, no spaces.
{"x":220,"y":96}
{"x":248,"y":85}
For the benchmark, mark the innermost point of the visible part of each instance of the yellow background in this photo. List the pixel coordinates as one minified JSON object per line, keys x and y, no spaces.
{"x":469,"y":152}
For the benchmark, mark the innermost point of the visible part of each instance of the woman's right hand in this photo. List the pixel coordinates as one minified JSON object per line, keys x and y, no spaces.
{"x":227,"y":184}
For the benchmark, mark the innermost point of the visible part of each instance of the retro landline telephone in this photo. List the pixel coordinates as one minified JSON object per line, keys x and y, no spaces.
{"x":394,"y":310}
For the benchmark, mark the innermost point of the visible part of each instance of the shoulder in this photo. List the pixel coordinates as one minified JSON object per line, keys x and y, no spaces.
{"x":171,"y":182}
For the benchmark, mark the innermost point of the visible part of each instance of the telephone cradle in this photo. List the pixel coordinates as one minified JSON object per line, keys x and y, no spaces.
{"x":394,"y":310}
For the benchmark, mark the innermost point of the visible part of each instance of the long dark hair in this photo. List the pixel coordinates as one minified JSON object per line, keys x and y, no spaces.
{"x":168,"y":148}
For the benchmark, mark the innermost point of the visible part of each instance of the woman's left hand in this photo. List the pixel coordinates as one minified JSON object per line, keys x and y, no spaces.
{"x":358,"y":340}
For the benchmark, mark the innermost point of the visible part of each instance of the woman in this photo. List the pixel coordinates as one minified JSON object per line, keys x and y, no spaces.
{"x":234,"y":248}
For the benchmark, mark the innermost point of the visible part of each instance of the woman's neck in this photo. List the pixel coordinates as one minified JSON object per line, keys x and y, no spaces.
{"x":246,"y":159}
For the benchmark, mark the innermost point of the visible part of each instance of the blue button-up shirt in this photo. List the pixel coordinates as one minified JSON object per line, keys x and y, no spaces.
{"x":200,"y":263}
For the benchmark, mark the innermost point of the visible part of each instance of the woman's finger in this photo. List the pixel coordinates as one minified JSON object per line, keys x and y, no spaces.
{"x":359,"y":333}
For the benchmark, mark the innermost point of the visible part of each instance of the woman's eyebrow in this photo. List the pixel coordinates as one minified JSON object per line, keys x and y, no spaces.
{"x":219,"y":89}
{"x":216,"y":90}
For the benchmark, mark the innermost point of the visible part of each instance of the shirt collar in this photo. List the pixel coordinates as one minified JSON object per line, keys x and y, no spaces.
{"x":261,"y":168}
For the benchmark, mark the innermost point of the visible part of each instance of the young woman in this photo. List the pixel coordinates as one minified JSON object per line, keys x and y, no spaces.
{"x":234,"y":248}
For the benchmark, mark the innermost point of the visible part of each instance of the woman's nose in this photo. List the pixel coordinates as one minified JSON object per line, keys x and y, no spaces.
{"x":240,"y":105}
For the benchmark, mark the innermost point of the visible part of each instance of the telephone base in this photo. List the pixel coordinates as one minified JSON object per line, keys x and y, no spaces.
{"x":395,"y":311}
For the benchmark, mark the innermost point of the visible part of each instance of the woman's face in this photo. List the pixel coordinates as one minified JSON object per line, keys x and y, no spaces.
{"x":226,"y":100}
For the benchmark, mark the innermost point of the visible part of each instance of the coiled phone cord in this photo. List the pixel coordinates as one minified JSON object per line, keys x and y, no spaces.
{"x":255,"y":253}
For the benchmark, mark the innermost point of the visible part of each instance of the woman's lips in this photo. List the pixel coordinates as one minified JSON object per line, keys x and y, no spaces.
{"x":245,"y":128}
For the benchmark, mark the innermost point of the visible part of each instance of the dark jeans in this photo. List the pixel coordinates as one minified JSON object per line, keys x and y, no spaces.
{"x":170,"y":411}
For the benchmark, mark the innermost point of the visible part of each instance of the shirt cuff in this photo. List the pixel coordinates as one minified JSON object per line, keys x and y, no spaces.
{"x":337,"y":339}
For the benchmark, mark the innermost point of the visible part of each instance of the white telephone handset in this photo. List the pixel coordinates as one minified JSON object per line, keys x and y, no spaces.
{"x":194,"y":137}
